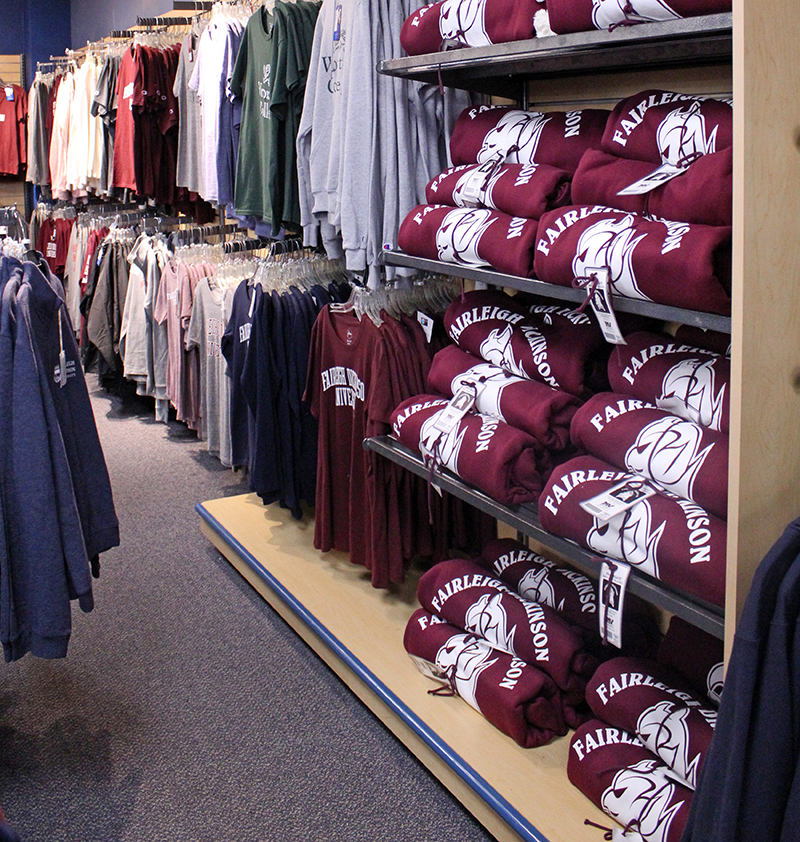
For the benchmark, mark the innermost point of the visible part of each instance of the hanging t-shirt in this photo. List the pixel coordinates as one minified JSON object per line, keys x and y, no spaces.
{"x":13,"y":120}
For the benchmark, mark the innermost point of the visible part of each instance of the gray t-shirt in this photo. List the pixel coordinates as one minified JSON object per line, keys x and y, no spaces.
{"x":190,"y":169}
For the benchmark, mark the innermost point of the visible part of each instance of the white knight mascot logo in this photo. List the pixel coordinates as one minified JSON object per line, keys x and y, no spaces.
{"x":491,"y":381}
{"x":445,"y":447}
{"x":682,"y":136}
{"x":663,"y":730}
{"x":629,"y":537}
{"x":459,"y":236}
{"x":536,"y":586}
{"x":606,"y":13}
{"x":462,"y":659}
{"x":497,"y":349}
{"x":689,"y":389}
{"x":610,"y":243}
{"x":488,"y":619}
{"x":668,"y":451}
{"x":640,"y":796}
{"x":464,"y":21}
{"x":520,"y":130}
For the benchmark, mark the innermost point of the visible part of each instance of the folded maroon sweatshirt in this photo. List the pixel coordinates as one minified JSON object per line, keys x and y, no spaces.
{"x":664,"y":536}
{"x":711,"y":340}
{"x":703,"y":194}
{"x":469,"y":597}
{"x":538,"y":409}
{"x":673,"y":263}
{"x":468,"y":23}
{"x":585,"y":15}
{"x":666,"y":127}
{"x":539,"y":579}
{"x":514,"y":189}
{"x":499,"y":132}
{"x":503,"y":462}
{"x":629,"y":783}
{"x":687,"y":381}
{"x":556,"y":351}
{"x":649,"y":700}
{"x":520,"y":700}
{"x":476,"y":237}
{"x":681,"y":456}
{"x":696,"y":655}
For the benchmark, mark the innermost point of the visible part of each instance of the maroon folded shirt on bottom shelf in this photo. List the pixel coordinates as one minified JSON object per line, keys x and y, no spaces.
{"x":476,"y":237}
{"x":693,"y":383}
{"x":696,"y":655}
{"x":664,"y":536}
{"x":538,"y":409}
{"x":629,"y":783}
{"x":464,"y":594}
{"x":503,"y":462}
{"x":649,"y":700}
{"x":515,"y":697}
{"x":681,"y":456}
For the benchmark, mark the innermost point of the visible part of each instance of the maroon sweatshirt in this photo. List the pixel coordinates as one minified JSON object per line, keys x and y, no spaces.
{"x":585,"y":15}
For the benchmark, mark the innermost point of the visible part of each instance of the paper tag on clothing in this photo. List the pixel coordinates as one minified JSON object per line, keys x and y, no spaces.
{"x":613,"y":582}
{"x":428,"y":669}
{"x":62,"y":369}
{"x":9,"y":94}
{"x":664,"y":173}
{"x":127,"y":92}
{"x":618,"y":499}
{"x":460,"y":404}
{"x":600,"y":299}
{"x":427,"y":324}
{"x":52,"y":250}
{"x":3,"y":230}
{"x":473,"y":193}
{"x":337,"y":22}
{"x":2,"y":118}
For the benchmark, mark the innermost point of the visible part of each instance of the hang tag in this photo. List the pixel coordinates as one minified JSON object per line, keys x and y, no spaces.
{"x":2,"y":118}
{"x":429,"y":670}
{"x":62,"y":357}
{"x":127,"y":91}
{"x":619,"y":834}
{"x":613,"y":583}
{"x":618,"y":499}
{"x":427,"y":324}
{"x":600,"y":299}
{"x":337,"y":22}
{"x":9,"y":94}
{"x":664,"y":173}
{"x":460,"y":404}
{"x":3,"y":230}
{"x":473,"y":194}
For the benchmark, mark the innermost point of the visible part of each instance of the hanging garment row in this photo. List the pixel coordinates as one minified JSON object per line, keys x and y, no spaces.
{"x":56,"y":507}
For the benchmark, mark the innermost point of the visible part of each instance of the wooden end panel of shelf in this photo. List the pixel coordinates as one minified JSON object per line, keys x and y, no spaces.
{"x":517,"y":794}
{"x":765,"y":402}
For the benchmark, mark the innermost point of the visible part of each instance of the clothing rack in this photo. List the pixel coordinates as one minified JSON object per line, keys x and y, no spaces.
{"x":165,"y":20}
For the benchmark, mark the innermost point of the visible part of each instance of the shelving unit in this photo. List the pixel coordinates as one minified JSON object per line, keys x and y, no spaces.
{"x":753,"y":54}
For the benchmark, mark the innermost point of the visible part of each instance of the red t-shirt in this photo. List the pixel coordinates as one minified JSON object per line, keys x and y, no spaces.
{"x":124,"y":135}
{"x":13,"y":117}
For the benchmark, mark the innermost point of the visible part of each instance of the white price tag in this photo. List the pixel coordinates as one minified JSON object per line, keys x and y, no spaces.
{"x":600,"y":299}
{"x":127,"y":92}
{"x":613,"y":582}
{"x":2,"y":118}
{"x":9,"y":94}
{"x":3,"y":230}
{"x":666,"y":172}
{"x":427,"y":324}
{"x":62,"y":370}
{"x":618,"y":499}
{"x":429,"y":670}
{"x":460,"y":404}
{"x":473,"y":194}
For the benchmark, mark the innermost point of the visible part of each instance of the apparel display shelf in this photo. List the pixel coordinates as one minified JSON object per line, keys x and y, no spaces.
{"x":752,"y":53}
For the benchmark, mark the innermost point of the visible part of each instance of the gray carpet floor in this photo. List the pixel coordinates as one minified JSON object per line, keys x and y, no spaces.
{"x":186,"y":709}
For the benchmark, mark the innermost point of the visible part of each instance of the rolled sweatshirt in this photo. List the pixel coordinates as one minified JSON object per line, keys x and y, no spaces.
{"x":503,"y":462}
{"x":585,"y":15}
{"x":663,"y":536}
{"x":518,"y":699}
{"x":531,"y":406}
{"x":628,"y":782}
{"x":681,"y":456}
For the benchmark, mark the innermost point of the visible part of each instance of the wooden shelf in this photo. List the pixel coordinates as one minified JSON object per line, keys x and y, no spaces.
{"x":504,"y":69}
{"x":526,"y":520}
{"x":709,"y":321}
{"x":516,"y":793}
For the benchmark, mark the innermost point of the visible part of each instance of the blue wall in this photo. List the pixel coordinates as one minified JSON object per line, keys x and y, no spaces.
{"x":93,"y":20}
{"x":38,"y":29}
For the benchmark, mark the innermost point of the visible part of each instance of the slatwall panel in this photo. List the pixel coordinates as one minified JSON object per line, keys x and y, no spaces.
{"x":12,"y":191}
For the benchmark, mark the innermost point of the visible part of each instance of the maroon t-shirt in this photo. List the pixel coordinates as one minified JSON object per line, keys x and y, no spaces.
{"x":663,"y":536}
{"x":477,"y":237}
{"x":697,"y":655}
{"x":499,"y":132}
{"x":468,"y":23}
{"x":465,"y":595}
{"x":538,"y":409}
{"x":672,"y":263}
{"x":585,"y":15}
{"x":691,"y":382}
{"x":633,"y":435}
{"x":514,"y":189}
{"x":124,"y":161}
{"x":557,"y":351}
{"x":503,"y":462}
{"x":703,"y":194}
{"x":649,"y":700}
{"x":666,"y":127}
{"x":619,"y":775}
{"x":518,"y":699}
{"x":13,"y":122}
